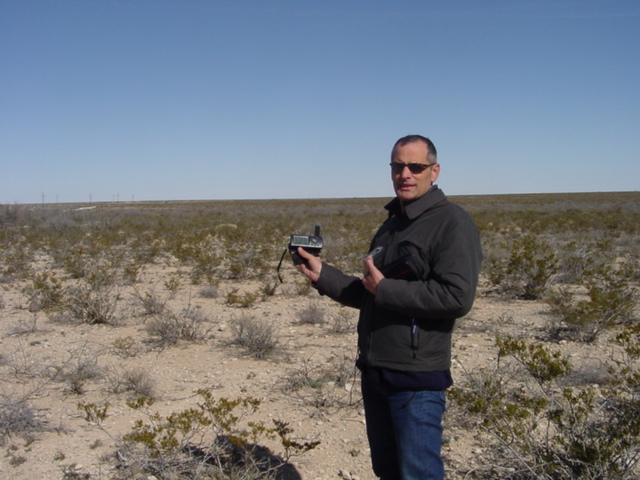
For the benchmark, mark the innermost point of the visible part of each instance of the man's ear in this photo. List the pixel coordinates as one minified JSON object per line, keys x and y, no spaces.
{"x":435,"y":173}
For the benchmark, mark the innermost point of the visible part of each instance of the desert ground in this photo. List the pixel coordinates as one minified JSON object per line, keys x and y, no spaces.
{"x":52,"y":363}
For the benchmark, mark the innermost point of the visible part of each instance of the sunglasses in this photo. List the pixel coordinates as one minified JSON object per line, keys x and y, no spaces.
{"x":415,"y":168}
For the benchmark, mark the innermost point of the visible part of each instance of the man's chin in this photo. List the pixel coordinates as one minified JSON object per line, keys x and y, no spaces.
{"x":405,"y":197}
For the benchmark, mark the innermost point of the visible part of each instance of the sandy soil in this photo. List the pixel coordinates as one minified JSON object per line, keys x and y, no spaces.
{"x":32,"y":346}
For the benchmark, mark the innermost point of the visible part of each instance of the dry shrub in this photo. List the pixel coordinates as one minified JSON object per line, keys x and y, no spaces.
{"x":324,"y":385}
{"x":314,"y":314}
{"x":151,"y":303}
{"x":257,"y":338}
{"x":342,"y":322}
{"x":77,"y":373}
{"x":92,"y":306}
{"x":209,"y":291}
{"x":17,"y":417}
{"x":169,"y":327}
{"x":135,"y":381}
{"x":125,"y":347}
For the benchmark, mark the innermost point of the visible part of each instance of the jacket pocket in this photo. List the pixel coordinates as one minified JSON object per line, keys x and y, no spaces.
{"x":413,"y":255}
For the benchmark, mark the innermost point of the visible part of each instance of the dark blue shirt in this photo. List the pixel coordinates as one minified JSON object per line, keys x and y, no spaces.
{"x":404,"y":380}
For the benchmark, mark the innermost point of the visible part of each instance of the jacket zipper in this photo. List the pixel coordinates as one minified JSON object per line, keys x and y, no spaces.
{"x":414,"y":337}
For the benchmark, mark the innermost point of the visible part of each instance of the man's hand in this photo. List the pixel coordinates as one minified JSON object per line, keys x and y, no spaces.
{"x":372,"y":276}
{"x":312,"y":266}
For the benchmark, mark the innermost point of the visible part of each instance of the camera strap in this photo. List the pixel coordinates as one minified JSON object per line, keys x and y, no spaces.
{"x":280,"y":264}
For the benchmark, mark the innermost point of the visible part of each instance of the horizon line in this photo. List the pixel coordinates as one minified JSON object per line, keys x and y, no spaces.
{"x":273,"y":199}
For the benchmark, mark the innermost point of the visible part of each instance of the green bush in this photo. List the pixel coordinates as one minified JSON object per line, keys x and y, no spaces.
{"x":610,"y":300}
{"x":16,"y":259}
{"x":200,"y":251}
{"x":528,"y":270}
{"x":242,"y":300}
{"x":213,"y":440}
{"x":546,"y":430}
{"x":44,"y":291}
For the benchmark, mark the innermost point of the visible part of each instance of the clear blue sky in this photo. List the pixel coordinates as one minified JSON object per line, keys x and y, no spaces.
{"x":235,"y":99}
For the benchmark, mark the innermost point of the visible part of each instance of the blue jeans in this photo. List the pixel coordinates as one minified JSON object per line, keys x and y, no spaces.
{"x":404,"y":430}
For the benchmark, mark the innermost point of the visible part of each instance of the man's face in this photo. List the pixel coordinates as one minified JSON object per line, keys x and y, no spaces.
{"x":411,"y":186}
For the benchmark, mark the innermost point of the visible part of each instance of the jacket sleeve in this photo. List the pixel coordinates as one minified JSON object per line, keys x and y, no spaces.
{"x":450,"y":287}
{"x":345,"y":289}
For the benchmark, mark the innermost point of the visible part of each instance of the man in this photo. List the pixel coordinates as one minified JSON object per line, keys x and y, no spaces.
{"x":420,"y":276}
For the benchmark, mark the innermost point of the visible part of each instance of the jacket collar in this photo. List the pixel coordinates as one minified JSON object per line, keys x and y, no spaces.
{"x":417,"y":207}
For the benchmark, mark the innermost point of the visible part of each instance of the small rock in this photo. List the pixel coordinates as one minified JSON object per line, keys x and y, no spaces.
{"x":345,"y":474}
